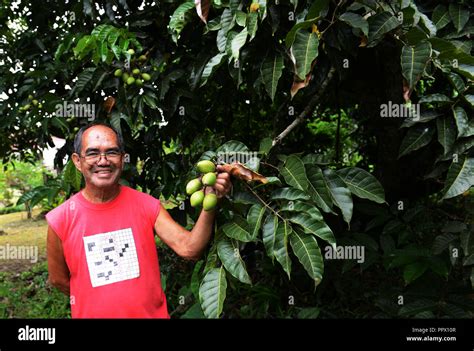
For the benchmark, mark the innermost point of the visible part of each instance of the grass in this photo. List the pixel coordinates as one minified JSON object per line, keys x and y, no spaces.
{"x":24,"y":291}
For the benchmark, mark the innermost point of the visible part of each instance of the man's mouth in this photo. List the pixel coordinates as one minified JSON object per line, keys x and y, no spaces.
{"x":103,"y":171}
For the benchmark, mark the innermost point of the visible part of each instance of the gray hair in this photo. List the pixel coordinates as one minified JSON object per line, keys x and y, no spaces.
{"x":78,"y":137}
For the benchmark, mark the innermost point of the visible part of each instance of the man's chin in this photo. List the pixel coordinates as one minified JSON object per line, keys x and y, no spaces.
{"x":104,"y":181}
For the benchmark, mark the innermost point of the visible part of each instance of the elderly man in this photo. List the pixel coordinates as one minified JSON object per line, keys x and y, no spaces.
{"x":101,"y":245}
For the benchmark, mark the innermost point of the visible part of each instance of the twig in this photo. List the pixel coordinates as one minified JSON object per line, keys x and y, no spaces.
{"x":263,"y":202}
{"x":308,"y":109}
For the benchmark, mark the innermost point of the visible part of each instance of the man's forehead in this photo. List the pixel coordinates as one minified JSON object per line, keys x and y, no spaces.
{"x":97,"y":135}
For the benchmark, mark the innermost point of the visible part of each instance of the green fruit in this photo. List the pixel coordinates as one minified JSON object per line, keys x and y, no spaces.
{"x":136,"y":71}
{"x":76,"y":129}
{"x":130,"y":80}
{"x":40,"y":105}
{"x":30,"y":97}
{"x":118,"y":73}
{"x":26,"y":107}
{"x":209,"y":179}
{"x":142,"y":58}
{"x":193,"y":186}
{"x":138,"y":82}
{"x":206,"y":166}
{"x":35,"y":102}
{"x":131,"y":51}
{"x":125,"y":76}
{"x":210,"y":202}
{"x":196,"y":198}
{"x":146,"y":76}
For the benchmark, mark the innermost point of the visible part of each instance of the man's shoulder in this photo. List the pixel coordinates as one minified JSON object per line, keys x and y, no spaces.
{"x":61,"y":210}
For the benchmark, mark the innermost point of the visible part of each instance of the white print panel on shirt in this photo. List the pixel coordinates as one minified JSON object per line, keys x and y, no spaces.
{"x":111,"y":257}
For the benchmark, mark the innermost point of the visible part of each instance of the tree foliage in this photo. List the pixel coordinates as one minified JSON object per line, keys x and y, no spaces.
{"x":259,"y":72}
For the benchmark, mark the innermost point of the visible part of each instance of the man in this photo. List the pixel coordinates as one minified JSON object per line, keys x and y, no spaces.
{"x":101,"y":247}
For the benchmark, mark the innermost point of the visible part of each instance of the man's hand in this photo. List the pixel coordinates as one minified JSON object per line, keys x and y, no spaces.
{"x":223,"y":184}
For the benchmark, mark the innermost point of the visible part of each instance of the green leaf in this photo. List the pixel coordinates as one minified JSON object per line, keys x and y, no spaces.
{"x":211,"y":67}
{"x":195,"y":279}
{"x":469,"y":99}
{"x":440,"y":16}
{"x":83,"y":80}
{"x":289,"y":194}
{"x":413,"y":271}
{"x":212,"y":292}
{"x":446,"y":132}
{"x":457,"y":82}
{"x":437,"y":98}
{"x":362,"y":184}
{"x":290,"y":37}
{"x":308,"y":312}
{"x":178,"y":19}
{"x":413,"y":61}
{"x":379,"y":25}
{"x":229,"y":254}
{"x":271,"y":70}
{"x":254,"y":219}
{"x":356,"y":21}
{"x":72,"y":176}
{"x":269,"y":229}
{"x":237,"y":43}
{"x":281,"y":246}
{"x":265,"y":146}
{"x":417,"y":307}
{"x":294,"y":172}
{"x":307,"y":250}
{"x":314,"y":226}
{"x":304,"y":50}
{"x":252,"y":24}
{"x":459,"y":15}
{"x":460,"y":177}
{"x":318,"y":9}
{"x":238,"y":229}
{"x":318,"y":189}
{"x":465,"y":127}
{"x":340,"y":194}
{"x":417,"y":137}
{"x":298,"y":206}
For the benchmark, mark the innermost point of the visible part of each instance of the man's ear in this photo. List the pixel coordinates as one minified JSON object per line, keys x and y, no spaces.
{"x":77,"y":161}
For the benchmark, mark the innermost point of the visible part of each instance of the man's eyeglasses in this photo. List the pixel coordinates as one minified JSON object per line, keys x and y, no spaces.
{"x":94,"y":156}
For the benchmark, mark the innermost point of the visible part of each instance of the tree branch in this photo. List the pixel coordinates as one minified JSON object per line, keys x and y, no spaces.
{"x":308,"y":109}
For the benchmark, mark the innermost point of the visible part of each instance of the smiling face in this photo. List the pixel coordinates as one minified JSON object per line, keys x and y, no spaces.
{"x":100,"y":172}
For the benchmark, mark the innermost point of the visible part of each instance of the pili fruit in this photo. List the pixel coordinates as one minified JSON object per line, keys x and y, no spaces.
{"x":130,"y":80}
{"x":146,"y":76}
{"x":209,"y":202}
{"x":118,"y":72}
{"x":30,"y":97}
{"x":138,"y":82}
{"x":34,"y":102}
{"x":26,"y":107}
{"x":125,"y":76}
{"x":205,"y":166}
{"x":142,"y":58}
{"x":197,"y":198}
{"x":193,"y":186}
{"x":131,"y":51}
{"x":209,"y":179}
{"x":136,"y":71}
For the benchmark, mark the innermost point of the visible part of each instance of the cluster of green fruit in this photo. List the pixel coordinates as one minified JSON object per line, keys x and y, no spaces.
{"x":34,"y":103}
{"x":197,"y":187}
{"x":135,"y":76}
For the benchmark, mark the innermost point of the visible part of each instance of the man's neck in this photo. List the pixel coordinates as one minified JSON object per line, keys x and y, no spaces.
{"x":99,"y":195}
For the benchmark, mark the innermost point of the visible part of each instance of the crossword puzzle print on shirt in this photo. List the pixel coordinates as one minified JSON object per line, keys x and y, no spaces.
{"x":111,"y":257}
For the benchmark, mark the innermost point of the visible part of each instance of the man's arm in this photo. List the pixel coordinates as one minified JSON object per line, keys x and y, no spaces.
{"x":191,"y":244}
{"x":187,"y":244}
{"x":57,"y":267}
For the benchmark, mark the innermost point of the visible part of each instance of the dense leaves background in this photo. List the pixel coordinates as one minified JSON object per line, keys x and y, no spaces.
{"x":301,"y":82}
